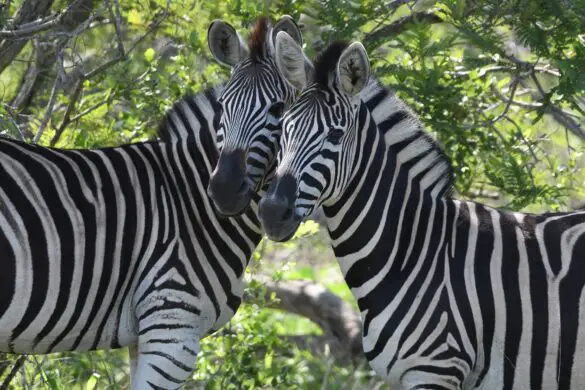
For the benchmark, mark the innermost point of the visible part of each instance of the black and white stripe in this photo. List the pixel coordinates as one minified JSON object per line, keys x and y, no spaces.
{"x":251,"y":106}
{"x":453,"y":294}
{"x":252,"y":103}
{"x":121,"y":246}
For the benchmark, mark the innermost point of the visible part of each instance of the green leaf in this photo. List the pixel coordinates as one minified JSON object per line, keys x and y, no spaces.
{"x":91,"y":383}
{"x":134,"y":17}
{"x":268,"y":361}
{"x":149,"y":54}
{"x":194,"y":39}
{"x":307,"y":228}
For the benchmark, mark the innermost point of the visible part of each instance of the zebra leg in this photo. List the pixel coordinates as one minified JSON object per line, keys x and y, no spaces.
{"x":424,"y":380}
{"x":133,"y":355}
{"x":165,"y":364}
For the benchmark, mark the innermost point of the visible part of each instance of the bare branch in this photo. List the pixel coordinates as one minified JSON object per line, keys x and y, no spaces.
{"x":510,"y":102}
{"x":18,"y":130}
{"x":398,"y":26}
{"x":562,"y":117}
{"x":68,"y":111}
{"x":19,"y":362}
{"x":565,"y":120}
{"x":132,"y":46}
{"x":90,"y":109}
{"x":472,"y":194}
{"x":115,"y":15}
{"x":30,"y":10}
{"x":121,"y":55}
{"x":29,"y":79}
{"x":535,"y":158}
{"x":51,"y":103}
{"x":513,"y":87}
{"x":505,"y":68}
{"x":27,"y":30}
{"x":339,"y":321}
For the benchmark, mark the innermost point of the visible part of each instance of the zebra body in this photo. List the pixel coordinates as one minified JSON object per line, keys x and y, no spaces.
{"x":121,"y":246}
{"x":453,"y":294}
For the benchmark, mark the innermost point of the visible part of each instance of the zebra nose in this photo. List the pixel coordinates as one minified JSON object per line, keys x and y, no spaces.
{"x":275,"y":210}
{"x":228,"y":188}
{"x":278,"y":204}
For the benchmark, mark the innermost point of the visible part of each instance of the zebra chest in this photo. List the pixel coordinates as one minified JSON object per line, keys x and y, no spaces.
{"x":416,"y":345}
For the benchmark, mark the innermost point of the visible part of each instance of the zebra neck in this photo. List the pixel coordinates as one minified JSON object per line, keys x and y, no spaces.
{"x":195,"y":159}
{"x":380,"y":226}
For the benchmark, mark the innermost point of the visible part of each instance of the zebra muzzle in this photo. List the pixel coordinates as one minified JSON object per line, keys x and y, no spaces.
{"x":228,"y":188}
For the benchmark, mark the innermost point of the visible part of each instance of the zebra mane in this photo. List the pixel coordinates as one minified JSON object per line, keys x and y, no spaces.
{"x":191,"y":113}
{"x":326,"y":63}
{"x":257,"y":39}
{"x":401,"y":128}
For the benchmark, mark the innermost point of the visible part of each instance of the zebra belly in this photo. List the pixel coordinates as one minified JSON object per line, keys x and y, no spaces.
{"x":112,"y":332}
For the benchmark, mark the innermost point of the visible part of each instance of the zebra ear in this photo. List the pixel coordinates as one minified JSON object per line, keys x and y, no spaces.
{"x":292,"y":62}
{"x":288,"y":25}
{"x":225,"y":43}
{"x":353,"y":69}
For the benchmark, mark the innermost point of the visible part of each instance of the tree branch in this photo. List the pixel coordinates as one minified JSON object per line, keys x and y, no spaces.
{"x":29,"y":11}
{"x":51,"y":103}
{"x":340,"y":323}
{"x":121,"y":55}
{"x":513,"y":88}
{"x":399,"y":25}
{"x":115,"y":14}
{"x":27,"y":30}
{"x":19,"y":362}
{"x":485,"y":194}
{"x":557,"y":113}
{"x":67,"y":116}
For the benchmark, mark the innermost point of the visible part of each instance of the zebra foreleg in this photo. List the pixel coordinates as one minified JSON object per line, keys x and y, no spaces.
{"x":423,"y":380}
{"x":165,"y":364}
{"x":133,"y":357}
{"x":168,"y":343}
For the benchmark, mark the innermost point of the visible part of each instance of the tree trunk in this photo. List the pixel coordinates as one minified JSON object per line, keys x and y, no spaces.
{"x":340,"y":322}
{"x":29,"y":11}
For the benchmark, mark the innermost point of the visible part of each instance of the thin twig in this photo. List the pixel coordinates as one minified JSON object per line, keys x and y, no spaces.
{"x":19,"y":362}
{"x":524,"y":140}
{"x":67,"y":117}
{"x":530,"y":106}
{"x":90,"y":109}
{"x":132,"y":46}
{"x":52,"y":98}
{"x":27,"y":30}
{"x":115,"y":14}
{"x":121,"y":55}
{"x":505,"y":68}
{"x":398,"y":26}
{"x":513,"y":87}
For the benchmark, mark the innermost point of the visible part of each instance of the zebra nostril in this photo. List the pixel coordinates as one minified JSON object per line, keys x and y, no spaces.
{"x":288,"y":213}
{"x":244,"y":187}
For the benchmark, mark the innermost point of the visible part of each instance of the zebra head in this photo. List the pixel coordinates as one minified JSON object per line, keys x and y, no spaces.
{"x":252,"y":103}
{"x":319,"y":133}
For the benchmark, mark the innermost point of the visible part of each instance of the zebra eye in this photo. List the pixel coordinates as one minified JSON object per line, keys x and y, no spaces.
{"x":334,"y":135}
{"x":276,"y":109}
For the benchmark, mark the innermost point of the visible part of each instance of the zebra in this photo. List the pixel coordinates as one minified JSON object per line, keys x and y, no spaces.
{"x":453,"y":294}
{"x":251,"y":106}
{"x":121,"y":246}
